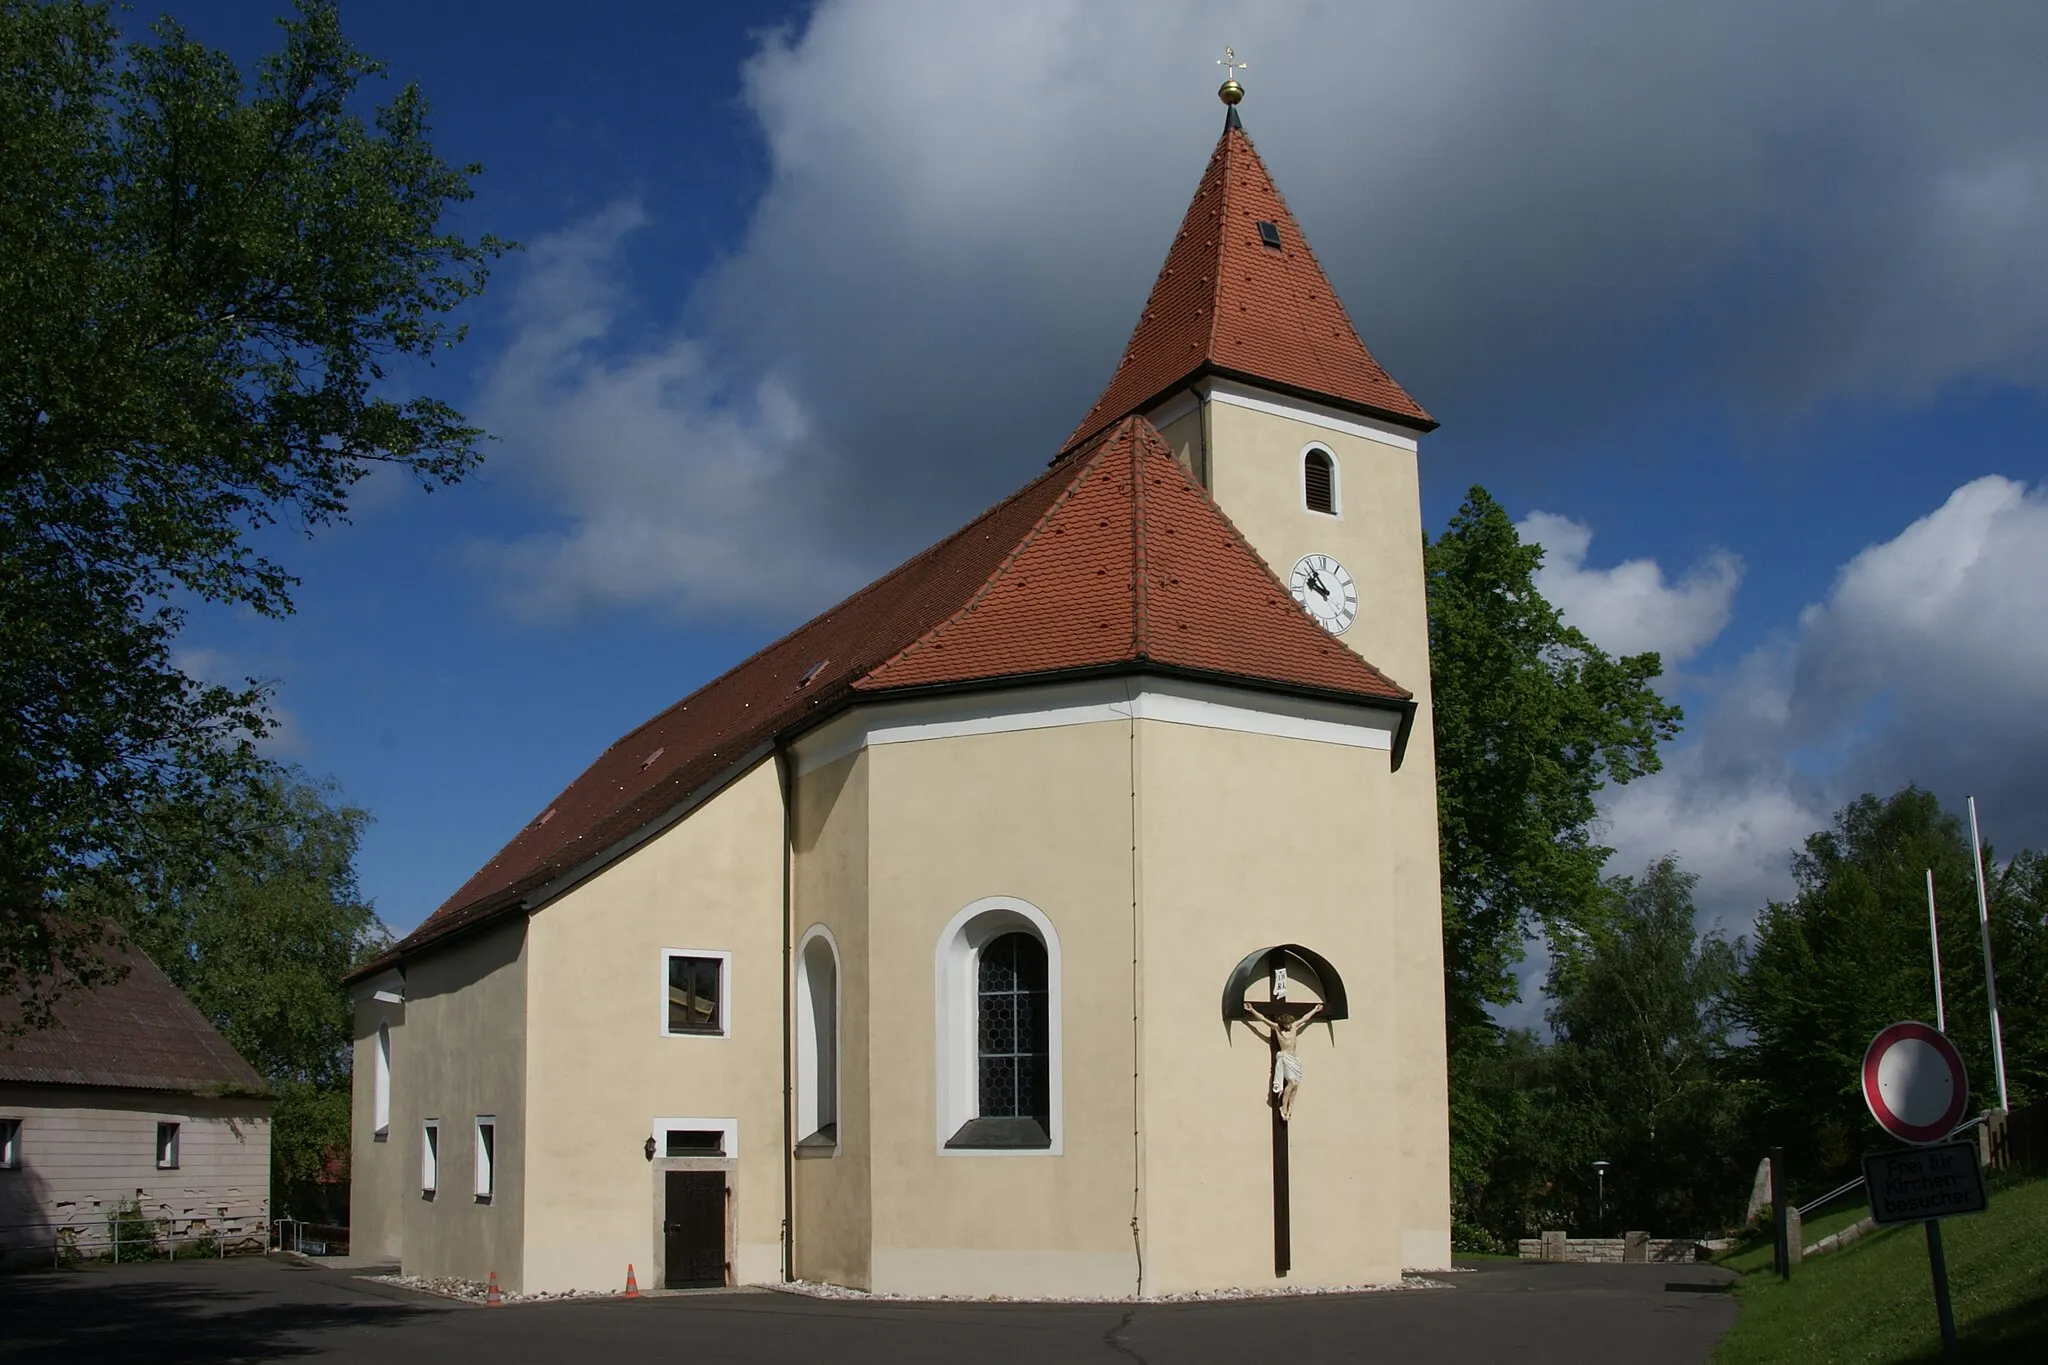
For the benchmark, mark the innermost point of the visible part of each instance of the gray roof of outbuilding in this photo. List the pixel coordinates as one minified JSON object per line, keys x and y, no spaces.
{"x":139,"y":1033}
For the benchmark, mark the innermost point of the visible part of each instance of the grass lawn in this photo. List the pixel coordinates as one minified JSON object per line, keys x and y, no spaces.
{"x":1874,"y":1300}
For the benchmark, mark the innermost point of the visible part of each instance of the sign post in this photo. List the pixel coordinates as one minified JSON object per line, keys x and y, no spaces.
{"x":1914,"y":1083}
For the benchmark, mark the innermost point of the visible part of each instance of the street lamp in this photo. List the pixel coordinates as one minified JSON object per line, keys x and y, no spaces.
{"x":1600,"y":1176}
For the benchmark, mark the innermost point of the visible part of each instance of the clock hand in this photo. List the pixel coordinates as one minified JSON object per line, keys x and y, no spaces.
{"x":1317,"y":583}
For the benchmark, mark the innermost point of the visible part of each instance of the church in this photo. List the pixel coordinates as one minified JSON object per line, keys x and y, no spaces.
{"x":1058,"y":915}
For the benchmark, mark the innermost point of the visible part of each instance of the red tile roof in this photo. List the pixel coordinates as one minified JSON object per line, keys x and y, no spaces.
{"x":140,"y":1033}
{"x":1226,"y":303}
{"x":1112,"y":559}
{"x":1133,"y":563}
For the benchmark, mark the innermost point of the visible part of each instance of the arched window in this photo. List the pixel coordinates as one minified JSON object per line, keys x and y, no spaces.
{"x":380,"y":1094}
{"x":817,"y":1042}
{"x":998,"y":979}
{"x":1011,"y":1038}
{"x":1319,"y":480}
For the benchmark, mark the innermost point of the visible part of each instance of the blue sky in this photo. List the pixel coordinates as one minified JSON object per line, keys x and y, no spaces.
{"x":1743,"y":311}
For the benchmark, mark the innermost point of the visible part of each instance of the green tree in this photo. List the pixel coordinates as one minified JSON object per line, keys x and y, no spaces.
{"x":1532,"y":721}
{"x":204,"y":280}
{"x":1848,"y":955}
{"x":258,"y":931}
{"x":1642,"y":1022}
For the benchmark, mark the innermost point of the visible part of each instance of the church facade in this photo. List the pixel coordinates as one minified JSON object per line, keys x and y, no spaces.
{"x":1057,"y":915}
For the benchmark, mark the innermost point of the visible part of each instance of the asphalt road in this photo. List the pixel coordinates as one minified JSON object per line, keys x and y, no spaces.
{"x":254,"y":1310}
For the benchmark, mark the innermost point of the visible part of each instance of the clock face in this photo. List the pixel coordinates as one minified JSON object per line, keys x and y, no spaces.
{"x":1326,"y":592}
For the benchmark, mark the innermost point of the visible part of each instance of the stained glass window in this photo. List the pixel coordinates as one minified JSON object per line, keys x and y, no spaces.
{"x":1012,"y":1034}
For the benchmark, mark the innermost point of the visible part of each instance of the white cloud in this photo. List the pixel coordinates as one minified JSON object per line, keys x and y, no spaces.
{"x":673,"y":484}
{"x":1631,"y":608}
{"x":1926,"y":662}
{"x":965,"y":204}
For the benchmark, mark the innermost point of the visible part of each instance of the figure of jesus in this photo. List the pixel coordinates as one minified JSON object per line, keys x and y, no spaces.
{"x":1286,"y":1065}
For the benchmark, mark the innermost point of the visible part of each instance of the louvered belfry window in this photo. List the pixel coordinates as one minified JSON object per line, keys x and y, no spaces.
{"x":1013,"y":1034}
{"x":1319,"y":481}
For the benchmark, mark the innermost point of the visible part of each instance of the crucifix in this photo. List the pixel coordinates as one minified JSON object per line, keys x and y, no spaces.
{"x":1282,"y":1020}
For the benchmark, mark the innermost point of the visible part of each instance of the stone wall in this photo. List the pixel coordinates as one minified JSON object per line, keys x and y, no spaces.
{"x":1629,"y":1248}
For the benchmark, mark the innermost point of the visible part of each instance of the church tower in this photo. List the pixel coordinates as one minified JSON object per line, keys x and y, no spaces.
{"x":1247,"y":363}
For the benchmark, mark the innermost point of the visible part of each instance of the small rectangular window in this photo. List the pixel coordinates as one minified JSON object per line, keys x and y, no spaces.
{"x":167,"y":1146}
{"x":486,"y":1156}
{"x":10,"y":1144}
{"x":695,"y":986}
{"x":695,"y":1142}
{"x":430,"y":1156}
{"x":1269,"y":233}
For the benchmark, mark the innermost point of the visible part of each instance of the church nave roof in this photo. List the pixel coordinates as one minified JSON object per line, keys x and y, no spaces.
{"x":1113,"y":560}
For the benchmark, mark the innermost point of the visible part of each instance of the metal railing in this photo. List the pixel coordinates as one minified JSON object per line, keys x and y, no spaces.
{"x":132,"y":1238}
{"x":1850,"y":1186}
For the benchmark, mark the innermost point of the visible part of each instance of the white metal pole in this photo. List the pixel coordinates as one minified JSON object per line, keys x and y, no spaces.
{"x":1990,"y":975}
{"x":1934,"y":946}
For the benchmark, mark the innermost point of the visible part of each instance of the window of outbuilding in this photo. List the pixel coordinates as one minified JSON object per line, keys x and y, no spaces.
{"x":430,"y":1156}
{"x":167,"y":1146}
{"x":1319,"y":481}
{"x":694,"y":985}
{"x":10,"y":1144}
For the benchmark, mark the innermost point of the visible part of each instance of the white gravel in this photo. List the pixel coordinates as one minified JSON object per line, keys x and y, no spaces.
{"x":470,"y":1291}
{"x":835,"y":1291}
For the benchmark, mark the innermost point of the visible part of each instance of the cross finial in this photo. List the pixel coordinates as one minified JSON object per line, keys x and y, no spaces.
{"x":1230,"y":92}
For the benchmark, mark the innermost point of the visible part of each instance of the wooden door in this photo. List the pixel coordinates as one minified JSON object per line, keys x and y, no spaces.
{"x":693,"y":1230}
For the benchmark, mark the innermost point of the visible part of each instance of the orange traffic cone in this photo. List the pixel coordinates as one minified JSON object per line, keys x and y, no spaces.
{"x":492,"y":1298}
{"x":632,"y":1285}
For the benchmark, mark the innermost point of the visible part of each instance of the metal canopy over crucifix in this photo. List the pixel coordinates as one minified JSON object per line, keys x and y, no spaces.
{"x":1280,"y":1021}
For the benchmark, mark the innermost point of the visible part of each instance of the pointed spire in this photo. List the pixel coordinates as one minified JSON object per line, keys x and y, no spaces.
{"x":1242,"y":296}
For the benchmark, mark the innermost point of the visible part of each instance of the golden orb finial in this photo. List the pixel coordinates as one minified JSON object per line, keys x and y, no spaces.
{"x":1230,"y":92}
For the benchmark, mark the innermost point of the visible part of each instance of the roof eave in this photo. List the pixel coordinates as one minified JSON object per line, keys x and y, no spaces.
{"x":1209,"y":369}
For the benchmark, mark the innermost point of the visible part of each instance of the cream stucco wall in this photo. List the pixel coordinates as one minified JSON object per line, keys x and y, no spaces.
{"x":1043,"y":816}
{"x":600,"y":1070}
{"x":458,"y":1051}
{"x":1251,"y":841}
{"x":1254,"y":462}
{"x":833,"y":1218}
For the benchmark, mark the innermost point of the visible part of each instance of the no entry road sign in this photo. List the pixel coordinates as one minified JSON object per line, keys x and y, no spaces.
{"x":1913,"y":1082}
{"x":1940,"y":1181}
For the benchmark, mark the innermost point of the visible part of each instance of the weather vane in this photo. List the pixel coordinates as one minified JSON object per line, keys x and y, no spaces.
{"x":1230,"y":92}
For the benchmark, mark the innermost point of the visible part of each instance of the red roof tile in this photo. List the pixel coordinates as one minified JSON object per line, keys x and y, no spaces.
{"x":1225,"y":303}
{"x":1112,"y":558}
{"x":1132,"y":564}
{"x":140,"y":1033}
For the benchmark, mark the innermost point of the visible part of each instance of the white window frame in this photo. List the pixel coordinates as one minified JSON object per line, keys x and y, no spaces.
{"x":956,"y":1006}
{"x":380,"y":1081}
{"x":10,"y":1143}
{"x":430,"y":1156}
{"x":727,"y":1128}
{"x":486,"y":1173}
{"x":724,"y":957}
{"x":1336,"y":511}
{"x":167,"y":1152}
{"x":817,"y":1047}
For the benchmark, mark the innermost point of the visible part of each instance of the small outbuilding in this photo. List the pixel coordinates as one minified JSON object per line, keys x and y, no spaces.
{"x":130,"y":1107}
